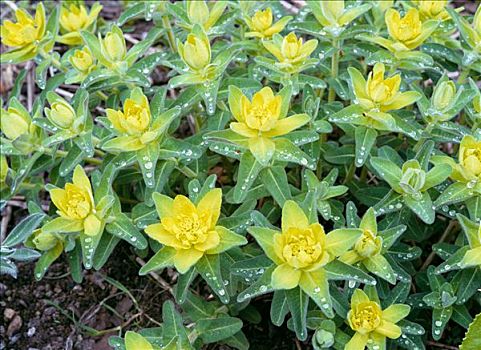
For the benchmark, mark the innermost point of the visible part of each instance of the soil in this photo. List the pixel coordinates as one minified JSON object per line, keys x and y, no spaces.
{"x":57,"y":313}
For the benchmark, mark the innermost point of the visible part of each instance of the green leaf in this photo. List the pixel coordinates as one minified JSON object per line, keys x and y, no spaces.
{"x":279,"y":307}
{"x":173,"y":327}
{"x":123,"y":228}
{"x":104,"y":249}
{"x":75,"y":263}
{"x":181,"y":289}
{"x":337,"y":270}
{"x":209,"y":268}
{"x":275,"y":180}
{"x":147,"y":158}
{"x":365,"y":138}
{"x":422,"y":207}
{"x":457,"y":192}
{"x":23,"y":230}
{"x":163,"y":258}
{"x":249,"y":168}
{"x":472,"y":341}
{"x":46,"y":260}
{"x":298,"y":301}
{"x":212,"y":330}
{"x":388,"y":171}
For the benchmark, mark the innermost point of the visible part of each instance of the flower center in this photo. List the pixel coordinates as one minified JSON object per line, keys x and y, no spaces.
{"x":368,"y":245}
{"x":78,"y":203}
{"x":366,"y":317}
{"x":190,"y":230}
{"x":301,"y":248}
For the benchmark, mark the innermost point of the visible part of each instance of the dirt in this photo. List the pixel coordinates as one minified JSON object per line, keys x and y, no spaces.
{"x":57,"y":313}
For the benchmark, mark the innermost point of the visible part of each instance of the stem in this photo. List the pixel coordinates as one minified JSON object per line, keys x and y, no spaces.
{"x":363,"y":174}
{"x":187,"y":172}
{"x":350,"y":173}
{"x":334,"y":68}
{"x":452,"y":224}
{"x":55,"y":62}
{"x":464,"y":74}
{"x":170,"y":33}
{"x":63,"y":154}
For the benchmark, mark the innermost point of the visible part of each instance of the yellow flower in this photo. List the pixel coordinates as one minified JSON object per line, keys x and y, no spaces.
{"x":75,"y":18}
{"x":262,"y":118}
{"x":409,"y":31}
{"x":134,"y":124}
{"x":134,"y":341}
{"x":378,"y":93}
{"x":301,"y":250}
{"x":61,"y":114}
{"x":261,"y":24}
{"x":113,"y":46}
{"x":432,"y":9}
{"x":368,"y":249}
{"x":3,"y":169}
{"x":333,"y":15}
{"x":15,"y":122}
{"x":82,"y":60}
{"x":198,"y":12}
{"x":472,"y":230}
{"x":291,"y":52}
{"x":470,"y":157}
{"x":191,"y":230}
{"x":195,"y":52}
{"x":76,"y":207}
{"x":27,"y":32}
{"x":371,"y":323}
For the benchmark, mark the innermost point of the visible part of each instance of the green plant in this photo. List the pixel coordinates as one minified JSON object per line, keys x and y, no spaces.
{"x":325,"y":163}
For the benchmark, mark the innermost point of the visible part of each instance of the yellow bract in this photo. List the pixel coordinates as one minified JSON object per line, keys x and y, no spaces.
{"x":44,"y":240}
{"x":301,"y":250}
{"x":82,"y":60}
{"x":371,"y":323}
{"x":191,"y":230}
{"x":472,"y":230}
{"x":333,"y":15}
{"x":379,"y":93}
{"x":432,"y":9}
{"x":27,"y":31}
{"x":262,"y":115}
{"x":470,"y":157}
{"x":291,"y":52}
{"x":15,"y":122}
{"x":3,"y":169}
{"x":368,"y":245}
{"x":61,"y":114}
{"x":134,"y":341}
{"x":199,"y":13}
{"x":75,"y":204}
{"x":408,"y":32}
{"x":113,"y":46}
{"x":75,"y":18}
{"x":135,"y":118}
{"x":261,"y":24}
{"x":195,"y":52}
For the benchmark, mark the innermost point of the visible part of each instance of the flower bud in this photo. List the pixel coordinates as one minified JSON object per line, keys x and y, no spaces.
{"x":413,"y":180}
{"x":13,"y":123}
{"x":198,"y":12}
{"x":113,"y":45}
{"x":82,"y":60}
{"x":61,"y":114}
{"x":470,"y":157}
{"x":195,"y":52}
{"x":443,"y":95}
{"x":44,"y":240}
{"x":368,"y":245}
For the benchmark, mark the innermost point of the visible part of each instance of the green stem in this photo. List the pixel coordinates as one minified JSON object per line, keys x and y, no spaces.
{"x":350,"y":173}
{"x":464,"y":74}
{"x":334,"y":69}
{"x":428,"y":129}
{"x":63,"y":154}
{"x":55,"y":62}
{"x":187,"y":172}
{"x":170,"y":33}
